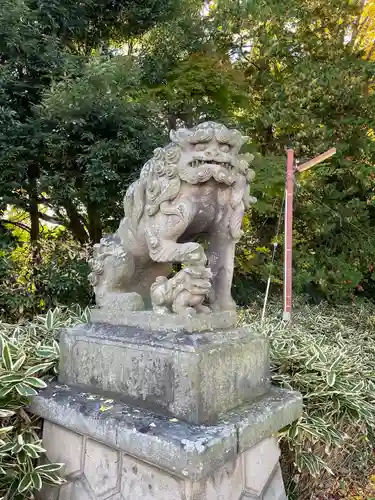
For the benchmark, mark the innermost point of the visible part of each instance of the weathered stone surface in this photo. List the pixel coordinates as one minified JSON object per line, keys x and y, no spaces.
{"x":116,"y":302}
{"x":71,"y":453}
{"x":260,"y":462}
{"x":198,"y":185}
{"x":225,"y":483}
{"x":275,"y":489}
{"x":102,"y":468}
{"x":50,"y":493}
{"x":66,"y":491}
{"x":149,"y":320}
{"x":80,"y":490}
{"x":139,"y":480}
{"x":275,"y":411}
{"x":168,"y":371}
{"x":184,"y":450}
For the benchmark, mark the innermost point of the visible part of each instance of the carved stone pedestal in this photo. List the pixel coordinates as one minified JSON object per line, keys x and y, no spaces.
{"x":194,"y":377}
{"x":163,"y":415}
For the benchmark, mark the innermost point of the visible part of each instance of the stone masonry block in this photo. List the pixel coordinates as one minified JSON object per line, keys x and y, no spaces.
{"x":49,"y":493}
{"x":134,"y":454}
{"x":102,"y":469}
{"x":226,"y":483}
{"x":275,"y":489}
{"x":260,"y":462}
{"x":275,"y":412}
{"x":184,"y":450}
{"x":140,"y":480}
{"x":115,"y":314}
{"x":168,"y":371}
{"x":63,"y":446}
{"x":66,"y":491}
{"x":79,"y":490}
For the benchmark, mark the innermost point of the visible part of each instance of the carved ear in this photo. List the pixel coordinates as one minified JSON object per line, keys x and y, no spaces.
{"x":248,"y":157}
{"x":180,"y":136}
{"x":237,"y":140}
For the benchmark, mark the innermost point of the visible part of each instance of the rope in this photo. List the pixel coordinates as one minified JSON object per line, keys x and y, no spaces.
{"x":275,"y":245}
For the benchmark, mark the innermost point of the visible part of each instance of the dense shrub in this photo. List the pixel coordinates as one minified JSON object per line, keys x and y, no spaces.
{"x":29,"y":355}
{"x":59,"y":277}
{"x":329,"y":356}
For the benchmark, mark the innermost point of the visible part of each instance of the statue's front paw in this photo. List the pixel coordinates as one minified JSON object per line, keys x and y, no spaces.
{"x":196,"y":256}
{"x":203,"y":309}
{"x":161,"y":310}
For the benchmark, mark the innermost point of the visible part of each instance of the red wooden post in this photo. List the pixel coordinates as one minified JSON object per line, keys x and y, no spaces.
{"x":288,"y":235}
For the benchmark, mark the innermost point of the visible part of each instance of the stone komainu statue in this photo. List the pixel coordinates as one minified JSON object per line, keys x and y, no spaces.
{"x":197,"y":186}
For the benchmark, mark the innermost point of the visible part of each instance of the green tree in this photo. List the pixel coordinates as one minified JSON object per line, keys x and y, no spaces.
{"x":188,"y":73}
{"x":309,"y":87}
{"x":99,"y":130}
{"x":41,"y":43}
{"x":28,"y":61}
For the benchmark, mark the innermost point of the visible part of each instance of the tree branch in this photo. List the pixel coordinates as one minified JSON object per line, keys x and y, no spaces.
{"x":371,"y":51}
{"x":356,"y":24}
{"x":52,"y":220}
{"x":17,"y":224}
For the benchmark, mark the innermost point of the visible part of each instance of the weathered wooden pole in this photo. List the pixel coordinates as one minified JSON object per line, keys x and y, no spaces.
{"x":288,"y":235}
{"x":288,"y":223}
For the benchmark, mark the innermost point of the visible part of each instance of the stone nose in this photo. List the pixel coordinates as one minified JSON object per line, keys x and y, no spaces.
{"x":211,"y":154}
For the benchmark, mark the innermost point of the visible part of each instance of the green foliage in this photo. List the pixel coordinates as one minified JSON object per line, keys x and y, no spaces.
{"x":29,"y":357}
{"x":329,"y":356}
{"x":309,"y":88}
{"x":88,"y":89}
{"x":99,"y":130}
{"x":196,"y":90}
{"x":93,"y":122}
{"x":295,"y":76}
{"x":92,"y":24}
{"x":188,"y":73}
{"x":59,"y":278}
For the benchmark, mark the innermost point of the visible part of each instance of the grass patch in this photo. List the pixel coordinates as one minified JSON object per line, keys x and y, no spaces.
{"x":328,"y":354}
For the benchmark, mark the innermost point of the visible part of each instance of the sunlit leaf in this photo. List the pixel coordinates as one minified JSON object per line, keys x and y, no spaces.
{"x":6,"y":357}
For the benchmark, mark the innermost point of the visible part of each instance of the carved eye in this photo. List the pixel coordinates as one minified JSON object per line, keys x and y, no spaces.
{"x":225,"y":148}
{"x":200,"y":146}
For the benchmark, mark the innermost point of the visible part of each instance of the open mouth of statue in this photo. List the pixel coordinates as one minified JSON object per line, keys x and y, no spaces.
{"x":210,"y":164}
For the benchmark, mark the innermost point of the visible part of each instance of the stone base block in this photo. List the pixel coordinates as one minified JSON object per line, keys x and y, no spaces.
{"x":149,"y":320}
{"x":116,"y":452}
{"x":195,"y":377}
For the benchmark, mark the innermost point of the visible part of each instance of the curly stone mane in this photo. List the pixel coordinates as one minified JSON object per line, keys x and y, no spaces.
{"x":161,"y":177}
